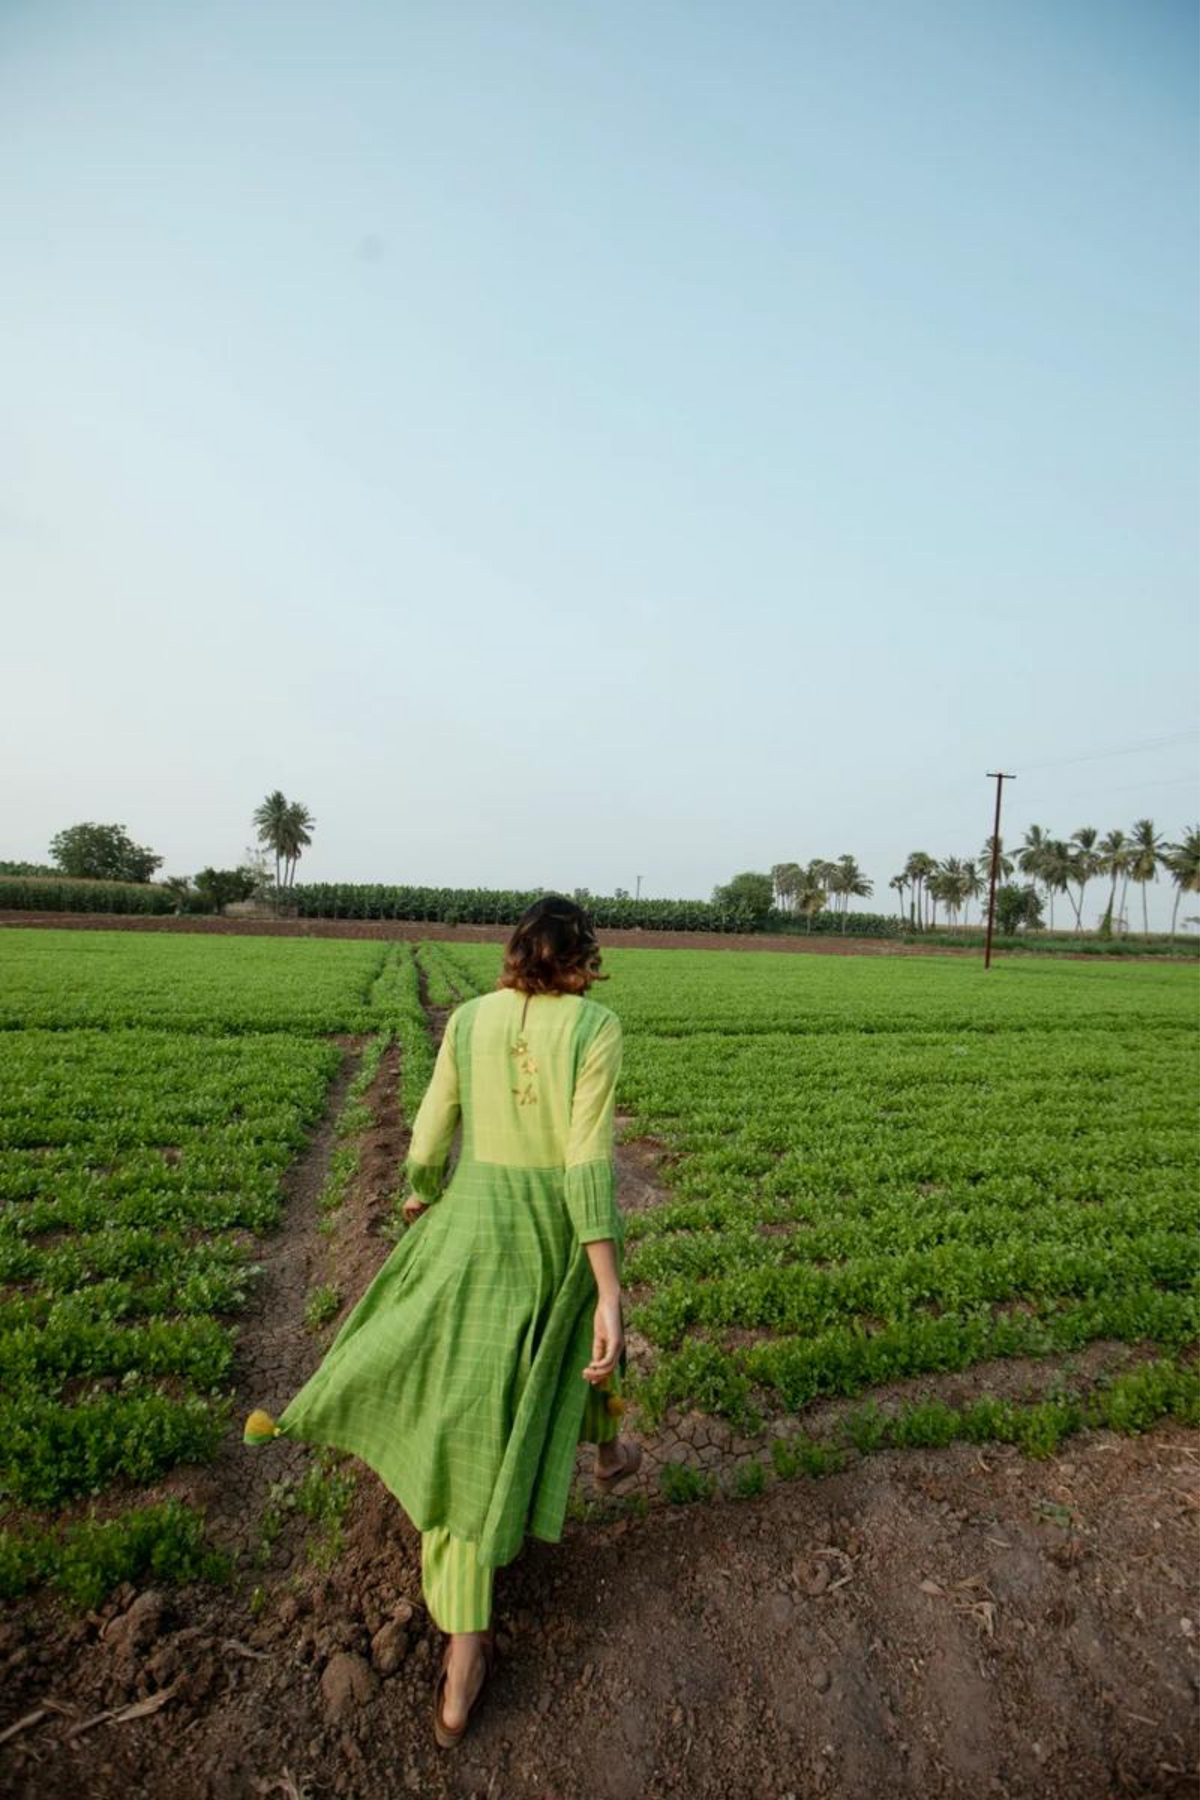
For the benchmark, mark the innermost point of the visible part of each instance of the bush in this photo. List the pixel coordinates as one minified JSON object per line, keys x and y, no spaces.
{"x":683,"y":1482}
{"x":749,"y":1480}
{"x":1017,"y":909}
{"x":748,"y":894}
{"x":219,"y":888}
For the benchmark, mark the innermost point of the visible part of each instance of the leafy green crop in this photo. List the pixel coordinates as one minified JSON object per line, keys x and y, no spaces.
{"x":68,"y":979}
{"x":881,"y":1168}
{"x":164,"y":1542}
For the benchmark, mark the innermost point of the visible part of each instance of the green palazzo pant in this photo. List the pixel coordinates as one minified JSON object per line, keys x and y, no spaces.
{"x":458,"y":1588}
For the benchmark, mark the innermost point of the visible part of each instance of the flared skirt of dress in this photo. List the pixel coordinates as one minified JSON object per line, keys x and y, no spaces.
{"x":457,"y":1376}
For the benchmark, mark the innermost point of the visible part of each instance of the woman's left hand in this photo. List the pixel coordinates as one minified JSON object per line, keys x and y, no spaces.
{"x":413,"y":1208}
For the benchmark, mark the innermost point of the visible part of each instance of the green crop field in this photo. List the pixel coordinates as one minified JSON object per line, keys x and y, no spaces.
{"x":886,"y":1167}
{"x":65,"y":979}
{"x":874,"y":1169}
{"x":153,"y":1094}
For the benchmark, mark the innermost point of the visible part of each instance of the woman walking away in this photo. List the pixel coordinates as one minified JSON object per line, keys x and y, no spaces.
{"x":490,"y":1343}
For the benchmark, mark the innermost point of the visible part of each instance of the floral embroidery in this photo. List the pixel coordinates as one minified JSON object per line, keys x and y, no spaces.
{"x":527,"y":1066}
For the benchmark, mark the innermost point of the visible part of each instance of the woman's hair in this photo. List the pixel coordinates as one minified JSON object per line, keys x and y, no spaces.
{"x":552,"y":950}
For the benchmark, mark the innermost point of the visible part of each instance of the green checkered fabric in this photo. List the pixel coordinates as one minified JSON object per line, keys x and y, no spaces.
{"x":458,"y":1375}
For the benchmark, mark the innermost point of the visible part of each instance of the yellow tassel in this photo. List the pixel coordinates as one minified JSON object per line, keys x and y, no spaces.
{"x":260,"y":1427}
{"x":614,"y":1406}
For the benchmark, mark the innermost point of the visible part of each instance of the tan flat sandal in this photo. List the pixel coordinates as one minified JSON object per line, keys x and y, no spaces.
{"x":441,"y":1731}
{"x":630,"y":1463}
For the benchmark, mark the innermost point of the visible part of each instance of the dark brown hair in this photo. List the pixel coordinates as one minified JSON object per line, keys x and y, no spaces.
{"x":552,"y":950}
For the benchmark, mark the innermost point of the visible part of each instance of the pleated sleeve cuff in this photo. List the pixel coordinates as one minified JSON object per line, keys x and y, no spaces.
{"x":426,"y":1179}
{"x":591,"y":1202}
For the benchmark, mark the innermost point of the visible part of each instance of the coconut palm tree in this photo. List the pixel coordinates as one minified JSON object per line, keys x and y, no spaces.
{"x":1058,"y":870}
{"x":823,"y":872}
{"x":1004,"y":864}
{"x":846,"y":881}
{"x":1087,"y":863}
{"x":919,"y":867}
{"x":786,"y":878}
{"x":952,"y":885}
{"x":271,"y":821}
{"x":1032,"y":855}
{"x":900,"y":883}
{"x":935,"y":893}
{"x":1183,"y":860}
{"x":1148,"y":850}
{"x":811,"y":890}
{"x":1114,"y":853}
{"x":975,"y":881}
{"x":296,"y":837}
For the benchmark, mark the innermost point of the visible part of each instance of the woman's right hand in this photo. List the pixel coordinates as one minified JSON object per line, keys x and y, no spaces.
{"x":608,"y":1340}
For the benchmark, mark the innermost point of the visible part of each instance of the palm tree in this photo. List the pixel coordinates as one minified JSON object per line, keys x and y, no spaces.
{"x":271,"y":821}
{"x":786,"y":878}
{"x":1148,"y":851}
{"x":1113,"y":859}
{"x":900,"y":883}
{"x":811,"y":892}
{"x":1058,"y":868}
{"x":974,"y":882}
{"x":1004,"y":864}
{"x":1087,"y":863}
{"x":919,"y":867}
{"x":823,"y":872}
{"x":1032,"y":856}
{"x":1183,"y":860}
{"x":953,"y":885}
{"x":847,"y":880}
{"x":296,"y":836}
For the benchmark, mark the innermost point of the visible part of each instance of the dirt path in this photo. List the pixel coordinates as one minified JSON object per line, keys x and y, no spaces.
{"x":962,"y":1622}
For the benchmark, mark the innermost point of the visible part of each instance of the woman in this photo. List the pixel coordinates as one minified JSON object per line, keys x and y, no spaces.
{"x":457,"y":1376}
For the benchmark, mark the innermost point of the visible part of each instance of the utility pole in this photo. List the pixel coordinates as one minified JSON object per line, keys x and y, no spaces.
{"x":999,"y":781}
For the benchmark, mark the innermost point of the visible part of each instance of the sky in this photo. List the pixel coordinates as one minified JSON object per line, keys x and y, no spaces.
{"x":564,"y":444}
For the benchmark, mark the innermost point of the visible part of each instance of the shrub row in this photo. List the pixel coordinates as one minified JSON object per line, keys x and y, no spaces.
{"x":504,"y":906}
{"x":34,"y":895}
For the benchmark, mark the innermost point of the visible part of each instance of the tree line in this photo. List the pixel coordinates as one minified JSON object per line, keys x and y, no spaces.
{"x":92,"y":852}
{"x":753,"y":900}
{"x":1055,"y":867}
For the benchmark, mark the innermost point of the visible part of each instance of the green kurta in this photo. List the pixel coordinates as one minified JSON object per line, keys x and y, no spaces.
{"x":458,"y":1375}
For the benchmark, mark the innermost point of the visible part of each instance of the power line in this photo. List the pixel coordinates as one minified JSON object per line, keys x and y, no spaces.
{"x":1092,"y":797}
{"x":1158,"y":743}
{"x":1132,"y":787}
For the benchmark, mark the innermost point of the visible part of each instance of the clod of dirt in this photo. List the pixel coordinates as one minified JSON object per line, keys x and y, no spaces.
{"x":288,"y":1610}
{"x":814,"y":1577}
{"x":389,"y":1647}
{"x":347,"y":1683}
{"x":163,"y":1666}
{"x":136,"y":1629}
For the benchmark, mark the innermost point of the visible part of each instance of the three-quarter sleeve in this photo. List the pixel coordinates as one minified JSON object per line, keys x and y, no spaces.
{"x":589,"y":1187}
{"x":435,"y":1124}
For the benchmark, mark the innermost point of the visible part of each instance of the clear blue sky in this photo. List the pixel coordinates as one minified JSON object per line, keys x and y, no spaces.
{"x":560,"y":443}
